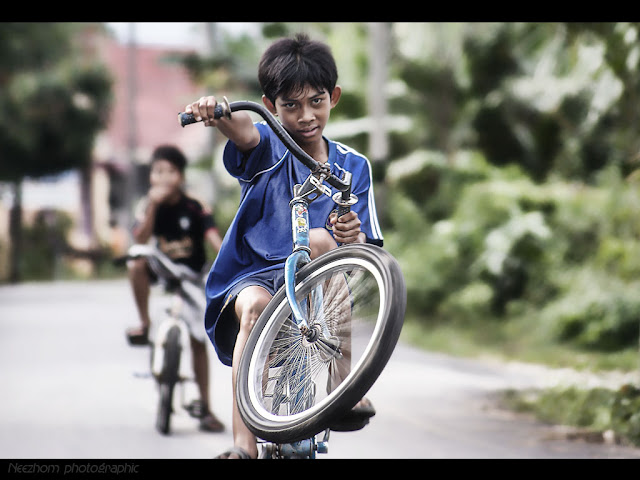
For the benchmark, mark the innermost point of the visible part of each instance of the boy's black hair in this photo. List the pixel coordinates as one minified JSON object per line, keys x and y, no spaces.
{"x":290,"y":64}
{"x":170,"y":153}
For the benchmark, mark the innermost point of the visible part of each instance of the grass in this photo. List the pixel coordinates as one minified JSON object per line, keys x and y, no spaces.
{"x":514,"y":341}
{"x":594,"y":410}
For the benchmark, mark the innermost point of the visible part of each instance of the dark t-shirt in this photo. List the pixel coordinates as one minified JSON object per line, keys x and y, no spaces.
{"x":179,"y":231}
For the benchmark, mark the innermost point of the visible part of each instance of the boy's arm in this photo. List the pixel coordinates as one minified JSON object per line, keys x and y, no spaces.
{"x":146,"y":218}
{"x":143,"y":229}
{"x":213,"y":237}
{"x":239,"y":128}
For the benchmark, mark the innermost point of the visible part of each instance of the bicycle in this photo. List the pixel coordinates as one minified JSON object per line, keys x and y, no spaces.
{"x":334,"y":323}
{"x":171,"y":356}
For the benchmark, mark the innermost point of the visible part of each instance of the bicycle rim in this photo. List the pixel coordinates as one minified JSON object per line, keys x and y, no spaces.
{"x":291,"y":387}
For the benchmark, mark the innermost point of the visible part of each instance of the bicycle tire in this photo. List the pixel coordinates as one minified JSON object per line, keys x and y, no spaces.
{"x":168,"y":379}
{"x":277,"y":359}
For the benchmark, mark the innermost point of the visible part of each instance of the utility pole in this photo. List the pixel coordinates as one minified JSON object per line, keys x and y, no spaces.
{"x":211,"y":30}
{"x":379,"y":55}
{"x":132,"y":130}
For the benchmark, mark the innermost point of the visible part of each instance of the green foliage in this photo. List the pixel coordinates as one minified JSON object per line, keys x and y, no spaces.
{"x":28,"y":45}
{"x":434,"y":181}
{"x":46,"y":242}
{"x":581,"y":408}
{"x":597,"y":409}
{"x":493,"y":244}
{"x":625,"y":414}
{"x":596,"y":311}
{"x":486,"y":230}
{"x":54,"y":103}
{"x":549,"y":97}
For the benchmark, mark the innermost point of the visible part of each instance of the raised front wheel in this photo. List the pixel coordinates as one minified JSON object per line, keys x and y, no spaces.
{"x":292,"y":386}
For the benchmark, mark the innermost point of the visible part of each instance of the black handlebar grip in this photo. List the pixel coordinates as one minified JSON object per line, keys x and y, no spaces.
{"x":342,"y":209}
{"x":185,"y":119}
{"x":346,"y":196}
{"x":221,"y":109}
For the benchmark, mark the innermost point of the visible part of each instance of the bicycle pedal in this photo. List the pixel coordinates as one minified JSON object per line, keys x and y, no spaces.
{"x":349,"y":425}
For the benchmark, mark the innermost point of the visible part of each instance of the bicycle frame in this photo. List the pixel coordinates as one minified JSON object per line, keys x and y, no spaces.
{"x":188,"y":297}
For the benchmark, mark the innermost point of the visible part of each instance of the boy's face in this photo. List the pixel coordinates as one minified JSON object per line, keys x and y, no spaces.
{"x":165,"y":176}
{"x":304,"y":115}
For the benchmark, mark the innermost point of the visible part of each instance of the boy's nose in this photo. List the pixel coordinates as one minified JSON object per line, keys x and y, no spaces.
{"x":306,"y":115}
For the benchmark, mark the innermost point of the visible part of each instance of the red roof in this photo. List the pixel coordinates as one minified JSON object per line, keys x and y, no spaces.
{"x":162,"y":89}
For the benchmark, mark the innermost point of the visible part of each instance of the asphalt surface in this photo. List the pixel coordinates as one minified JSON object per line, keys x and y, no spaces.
{"x":72,"y":388}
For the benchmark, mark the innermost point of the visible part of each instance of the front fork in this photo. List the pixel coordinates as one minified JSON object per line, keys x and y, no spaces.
{"x":300,"y":256}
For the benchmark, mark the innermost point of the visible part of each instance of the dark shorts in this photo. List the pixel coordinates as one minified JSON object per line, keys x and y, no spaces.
{"x":227,"y":326}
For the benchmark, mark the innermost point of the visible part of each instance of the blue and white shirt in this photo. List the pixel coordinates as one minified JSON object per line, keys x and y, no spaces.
{"x":259,"y":238}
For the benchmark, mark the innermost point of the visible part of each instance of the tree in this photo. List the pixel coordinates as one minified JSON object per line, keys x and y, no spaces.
{"x":614,"y":137}
{"x":54,"y":100}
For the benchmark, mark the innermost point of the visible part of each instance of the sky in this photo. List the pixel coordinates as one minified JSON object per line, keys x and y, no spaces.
{"x":157,"y":33}
{"x":171,"y":34}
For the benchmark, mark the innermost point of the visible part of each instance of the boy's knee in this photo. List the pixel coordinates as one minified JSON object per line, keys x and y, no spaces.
{"x":249,"y":305}
{"x":320,"y":241}
{"x":137,"y":266}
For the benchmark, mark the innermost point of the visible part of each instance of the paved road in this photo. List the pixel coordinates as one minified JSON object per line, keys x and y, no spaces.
{"x":73,"y":389}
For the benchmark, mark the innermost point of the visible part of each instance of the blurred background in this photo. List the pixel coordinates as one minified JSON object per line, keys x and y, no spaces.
{"x":505,"y":158}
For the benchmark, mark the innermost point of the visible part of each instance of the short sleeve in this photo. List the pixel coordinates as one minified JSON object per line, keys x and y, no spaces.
{"x":247,"y":165}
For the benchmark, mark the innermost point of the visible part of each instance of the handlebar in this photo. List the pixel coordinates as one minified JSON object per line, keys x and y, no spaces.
{"x":224,"y":109}
{"x":162,"y":265}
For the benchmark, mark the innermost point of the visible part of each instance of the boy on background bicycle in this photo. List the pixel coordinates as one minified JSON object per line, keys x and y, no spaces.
{"x":298,"y":78}
{"x":180,"y":226}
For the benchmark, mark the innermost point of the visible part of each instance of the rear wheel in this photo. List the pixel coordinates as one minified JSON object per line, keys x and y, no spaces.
{"x":290,"y":386}
{"x":167,"y":380}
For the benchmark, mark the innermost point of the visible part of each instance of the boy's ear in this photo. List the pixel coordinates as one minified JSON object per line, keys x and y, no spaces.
{"x":269,"y":104}
{"x":335,"y":95}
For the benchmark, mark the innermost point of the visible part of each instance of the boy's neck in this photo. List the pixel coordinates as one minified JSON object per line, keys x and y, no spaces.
{"x":319,"y":151}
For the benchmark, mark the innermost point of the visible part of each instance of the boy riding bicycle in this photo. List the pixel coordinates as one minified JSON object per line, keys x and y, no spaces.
{"x":298,"y":78}
{"x":180,"y":226}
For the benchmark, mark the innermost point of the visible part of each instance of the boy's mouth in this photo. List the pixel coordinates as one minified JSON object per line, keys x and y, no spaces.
{"x":308,"y":131}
